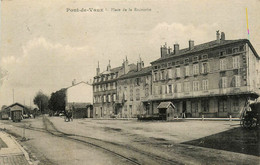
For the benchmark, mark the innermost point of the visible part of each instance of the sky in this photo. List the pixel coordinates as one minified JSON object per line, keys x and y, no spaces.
{"x":44,"y":45}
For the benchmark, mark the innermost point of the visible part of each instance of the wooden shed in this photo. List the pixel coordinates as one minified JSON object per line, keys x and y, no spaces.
{"x":167,"y":111}
{"x":16,"y":111}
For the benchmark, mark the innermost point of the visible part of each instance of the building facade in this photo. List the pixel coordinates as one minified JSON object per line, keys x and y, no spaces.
{"x":105,"y":89}
{"x":213,"y":79}
{"x":79,"y":100}
{"x":134,"y":91}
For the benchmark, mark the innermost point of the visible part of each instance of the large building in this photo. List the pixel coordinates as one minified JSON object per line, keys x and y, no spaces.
{"x":105,"y":89}
{"x":134,"y":90}
{"x":213,"y":79}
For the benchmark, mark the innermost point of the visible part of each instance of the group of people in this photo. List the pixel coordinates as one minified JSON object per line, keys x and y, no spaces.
{"x":68,"y":116}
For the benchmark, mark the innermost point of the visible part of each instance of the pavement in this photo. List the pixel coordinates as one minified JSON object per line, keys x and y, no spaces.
{"x":11,"y":152}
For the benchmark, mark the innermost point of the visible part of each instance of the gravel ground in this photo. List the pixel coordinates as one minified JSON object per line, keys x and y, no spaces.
{"x":182,"y":142}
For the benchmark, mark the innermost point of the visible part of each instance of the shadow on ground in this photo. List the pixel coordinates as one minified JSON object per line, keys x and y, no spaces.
{"x":236,"y":140}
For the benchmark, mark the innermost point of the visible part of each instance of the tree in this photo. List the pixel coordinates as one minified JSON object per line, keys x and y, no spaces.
{"x":57,"y":101}
{"x":41,"y":100}
{"x":3,"y":107}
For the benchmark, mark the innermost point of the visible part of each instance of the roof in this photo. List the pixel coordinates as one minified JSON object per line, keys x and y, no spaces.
{"x":76,"y":84}
{"x":16,"y":104}
{"x":114,"y":70}
{"x":205,"y":46}
{"x":163,"y":105}
{"x":134,"y":73}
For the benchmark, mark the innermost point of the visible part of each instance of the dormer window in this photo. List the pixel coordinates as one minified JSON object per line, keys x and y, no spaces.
{"x":235,"y":50}
{"x":186,"y":61}
{"x":222,"y":53}
{"x":229,"y":51}
{"x":241,"y":48}
{"x":205,"y":56}
{"x":195,"y":59}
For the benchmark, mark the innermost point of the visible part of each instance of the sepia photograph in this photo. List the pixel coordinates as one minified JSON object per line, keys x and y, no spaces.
{"x":120,"y":82}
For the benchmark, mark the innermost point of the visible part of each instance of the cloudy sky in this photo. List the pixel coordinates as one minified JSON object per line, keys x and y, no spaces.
{"x":44,"y":47}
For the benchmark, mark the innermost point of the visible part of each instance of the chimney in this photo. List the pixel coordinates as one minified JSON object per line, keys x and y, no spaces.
{"x":191,"y":44}
{"x":109,"y":66}
{"x":73,"y":82}
{"x":163,"y":51}
{"x":169,"y":50}
{"x":176,"y":48}
{"x":217,"y":35}
{"x":125,"y":66}
{"x":222,"y":36}
{"x":140,"y":64}
{"x":98,"y":69}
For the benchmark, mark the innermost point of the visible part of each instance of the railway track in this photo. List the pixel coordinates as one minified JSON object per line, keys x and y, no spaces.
{"x":124,"y":152}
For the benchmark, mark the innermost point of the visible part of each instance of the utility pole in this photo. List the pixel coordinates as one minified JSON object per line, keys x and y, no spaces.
{"x":13,"y":95}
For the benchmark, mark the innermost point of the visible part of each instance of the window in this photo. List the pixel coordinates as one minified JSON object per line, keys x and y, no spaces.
{"x":155,"y":67}
{"x":186,"y":61}
{"x":104,"y":98}
{"x":236,"y":105}
{"x":170,"y":88}
{"x":160,"y":89}
{"x":205,"y":56}
{"x":166,"y":89}
{"x":108,"y":98}
{"x":137,"y":94}
{"x":241,"y":48}
{"x":204,"y":105}
{"x":178,"y":72}
{"x":131,"y":93}
{"x":195,"y":59}
{"x":186,"y":86}
{"x":155,"y":76}
{"x":205,"y":84}
{"x":196,"y":69}
{"x":237,"y":81}
{"x":235,"y":50}
{"x":137,"y":81}
{"x":222,"y":64}
{"x":187,"y":71}
{"x":222,"y":106}
{"x":223,"y":82}
{"x":195,"y":106}
{"x":195,"y":85}
{"x":222,"y":53}
{"x":114,"y":97}
{"x":236,"y":62}
{"x":156,"y":90}
{"x":204,"y":68}
{"x":163,"y":75}
{"x":229,"y":51}
{"x":170,"y":73}
{"x":178,"y":87}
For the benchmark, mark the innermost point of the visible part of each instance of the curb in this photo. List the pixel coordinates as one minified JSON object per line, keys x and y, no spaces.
{"x":26,"y":155}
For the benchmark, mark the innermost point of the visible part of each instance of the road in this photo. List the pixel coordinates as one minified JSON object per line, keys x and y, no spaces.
{"x":86,"y":141}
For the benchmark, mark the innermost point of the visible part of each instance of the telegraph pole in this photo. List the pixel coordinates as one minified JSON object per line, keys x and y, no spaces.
{"x":13,"y":95}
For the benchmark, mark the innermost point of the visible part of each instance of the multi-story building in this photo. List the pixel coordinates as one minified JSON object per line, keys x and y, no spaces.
{"x":105,"y":89}
{"x":213,"y":79}
{"x":134,"y":91}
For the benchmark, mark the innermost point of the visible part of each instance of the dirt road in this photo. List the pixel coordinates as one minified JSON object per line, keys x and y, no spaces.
{"x":86,"y":141}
